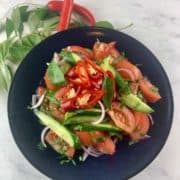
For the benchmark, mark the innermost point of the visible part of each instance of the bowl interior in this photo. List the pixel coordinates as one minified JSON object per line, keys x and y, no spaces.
{"x":26,"y":129}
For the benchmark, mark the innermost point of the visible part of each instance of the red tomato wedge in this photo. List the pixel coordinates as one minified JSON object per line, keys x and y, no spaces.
{"x":49,"y":85}
{"x":114,"y":53}
{"x":134,"y":86}
{"x":128,"y":70}
{"x":142,"y":126}
{"x":149,"y":91}
{"x":101,"y":49}
{"x":123,"y":118}
{"x":51,"y":138}
{"x":81,"y":50}
{"x":106,"y":146}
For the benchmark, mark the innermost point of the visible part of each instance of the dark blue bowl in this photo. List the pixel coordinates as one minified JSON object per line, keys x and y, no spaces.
{"x":128,"y":160}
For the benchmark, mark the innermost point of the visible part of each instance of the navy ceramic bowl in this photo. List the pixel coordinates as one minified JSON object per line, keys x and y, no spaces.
{"x":128,"y":160}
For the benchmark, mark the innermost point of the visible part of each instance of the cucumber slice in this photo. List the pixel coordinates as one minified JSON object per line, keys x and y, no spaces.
{"x":100,"y":127}
{"x":135,"y":103}
{"x":59,"y":129}
{"x":80,"y":119}
{"x":82,"y":116}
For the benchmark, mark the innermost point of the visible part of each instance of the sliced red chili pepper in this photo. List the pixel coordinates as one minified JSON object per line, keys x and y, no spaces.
{"x":95,"y":96}
{"x":82,"y":78}
{"x":72,"y":73}
{"x":62,"y":92}
{"x":66,"y":12}
{"x":97,"y":83}
{"x":57,"y":6}
{"x":68,"y":104}
{"x":94,"y":65}
{"x":82,"y":72}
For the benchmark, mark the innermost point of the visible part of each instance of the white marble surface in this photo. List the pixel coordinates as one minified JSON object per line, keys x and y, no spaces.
{"x":157,"y":25}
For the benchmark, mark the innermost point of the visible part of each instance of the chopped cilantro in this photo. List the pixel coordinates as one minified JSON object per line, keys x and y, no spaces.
{"x":40,"y":146}
{"x":154,"y":89}
{"x":99,"y":139}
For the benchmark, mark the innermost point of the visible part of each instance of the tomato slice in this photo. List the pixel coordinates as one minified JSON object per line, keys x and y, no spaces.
{"x":106,"y":145}
{"x":125,"y":64}
{"x":122,"y":117}
{"x":52,"y":138}
{"x":149,"y":91}
{"x":134,"y":86}
{"x":101,"y":49}
{"x":114,"y":53}
{"x":81,"y":50}
{"x":142,"y":126}
{"x":58,"y":114}
{"x":48,"y":83}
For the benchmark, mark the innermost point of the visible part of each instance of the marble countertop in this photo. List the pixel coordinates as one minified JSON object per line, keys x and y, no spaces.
{"x":157,"y":25}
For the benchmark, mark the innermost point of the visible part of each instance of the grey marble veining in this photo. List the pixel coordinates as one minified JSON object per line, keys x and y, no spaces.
{"x":157,"y":25}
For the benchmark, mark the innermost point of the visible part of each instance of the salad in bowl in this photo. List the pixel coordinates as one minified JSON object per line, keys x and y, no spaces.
{"x":92,"y":98}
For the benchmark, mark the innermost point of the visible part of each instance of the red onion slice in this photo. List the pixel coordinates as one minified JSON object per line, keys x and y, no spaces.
{"x":90,"y":152}
{"x":127,"y":71}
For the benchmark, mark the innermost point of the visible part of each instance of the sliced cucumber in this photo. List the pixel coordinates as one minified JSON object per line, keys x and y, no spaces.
{"x":135,"y":103}
{"x":80,"y":119}
{"x":82,"y":116}
{"x":100,"y":127}
{"x":59,"y":129}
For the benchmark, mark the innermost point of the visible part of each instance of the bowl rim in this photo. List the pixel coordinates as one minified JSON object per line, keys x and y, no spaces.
{"x":38,"y":168}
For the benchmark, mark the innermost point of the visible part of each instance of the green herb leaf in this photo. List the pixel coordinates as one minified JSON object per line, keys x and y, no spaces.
{"x":16,"y":18}
{"x":41,"y":12}
{"x":33,"y":21}
{"x":4,"y":49}
{"x":51,"y":22}
{"x":50,"y":97}
{"x":40,"y":146}
{"x":21,"y":48}
{"x":99,"y":139}
{"x":67,"y":56}
{"x":5,"y":76}
{"x":104,"y":24}
{"x":24,"y":13}
{"x":55,"y":74}
{"x":9,"y":27}
{"x":154,"y":89}
{"x":108,"y":87}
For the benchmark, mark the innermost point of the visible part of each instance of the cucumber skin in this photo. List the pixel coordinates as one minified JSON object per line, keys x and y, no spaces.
{"x":100,"y":127}
{"x":136,"y":104}
{"x":80,"y":119}
{"x":53,"y":124}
